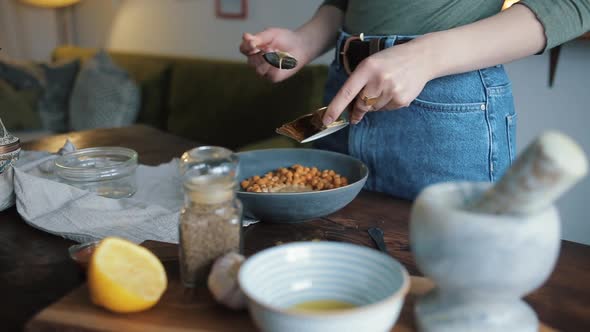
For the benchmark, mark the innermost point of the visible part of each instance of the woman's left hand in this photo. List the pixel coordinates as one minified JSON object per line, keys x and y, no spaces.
{"x":387,"y":80}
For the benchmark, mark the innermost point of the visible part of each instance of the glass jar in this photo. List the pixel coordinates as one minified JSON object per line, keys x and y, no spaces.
{"x":210,"y":222}
{"x":106,"y":171}
{"x":9,"y":153}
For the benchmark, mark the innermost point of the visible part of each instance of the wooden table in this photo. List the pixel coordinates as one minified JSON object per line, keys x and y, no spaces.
{"x":36,"y":271}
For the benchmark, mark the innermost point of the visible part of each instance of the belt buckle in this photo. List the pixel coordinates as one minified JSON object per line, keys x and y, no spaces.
{"x":344,"y":50}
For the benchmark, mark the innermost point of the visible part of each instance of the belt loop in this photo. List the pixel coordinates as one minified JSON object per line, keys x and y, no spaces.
{"x":389,"y":42}
{"x":374,"y":45}
{"x":341,"y":37}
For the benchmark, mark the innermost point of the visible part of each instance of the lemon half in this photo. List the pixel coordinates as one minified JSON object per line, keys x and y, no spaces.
{"x":125,"y":277}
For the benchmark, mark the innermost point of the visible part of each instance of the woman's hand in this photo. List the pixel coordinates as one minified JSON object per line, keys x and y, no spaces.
{"x":387,"y":80}
{"x":396,"y":76}
{"x":274,"y":39}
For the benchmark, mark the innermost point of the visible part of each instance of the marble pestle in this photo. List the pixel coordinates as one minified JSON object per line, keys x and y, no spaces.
{"x":549,"y":166}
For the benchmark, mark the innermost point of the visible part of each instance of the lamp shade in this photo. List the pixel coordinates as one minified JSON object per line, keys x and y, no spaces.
{"x":50,"y":3}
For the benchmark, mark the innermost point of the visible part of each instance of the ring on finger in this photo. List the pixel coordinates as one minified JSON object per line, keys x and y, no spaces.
{"x":369,"y":101}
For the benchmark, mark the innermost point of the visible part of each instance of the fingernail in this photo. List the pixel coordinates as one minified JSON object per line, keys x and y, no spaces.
{"x":327,"y":120}
{"x":354,"y":122}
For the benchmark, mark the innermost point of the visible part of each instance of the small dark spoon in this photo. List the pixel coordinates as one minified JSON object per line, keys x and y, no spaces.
{"x":281,"y":60}
{"x":376,"y":234}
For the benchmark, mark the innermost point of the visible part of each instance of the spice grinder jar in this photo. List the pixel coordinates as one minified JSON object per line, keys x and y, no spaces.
{"x":210,"y":222}
{"x":9,"y":153}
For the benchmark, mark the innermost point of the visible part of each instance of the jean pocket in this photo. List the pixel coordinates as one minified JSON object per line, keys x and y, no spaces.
{"x":411,"y":148}
{"x":511,"y":135}
{"x":449,"y":107}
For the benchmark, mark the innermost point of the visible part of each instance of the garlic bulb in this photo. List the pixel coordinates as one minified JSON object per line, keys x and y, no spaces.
{"x":223,"y":281}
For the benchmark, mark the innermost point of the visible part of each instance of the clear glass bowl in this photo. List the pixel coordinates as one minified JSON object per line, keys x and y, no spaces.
{"x":106,"y":171}
{"x":81,"y":253}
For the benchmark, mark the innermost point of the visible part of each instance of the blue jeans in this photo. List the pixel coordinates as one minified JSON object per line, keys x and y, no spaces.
{"x":460,"y":128}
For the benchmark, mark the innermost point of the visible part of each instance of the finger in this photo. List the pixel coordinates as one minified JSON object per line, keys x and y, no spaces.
{"x":370,"y":94}
{"x":345,"y":95}
{"x":263,"y":69}
{"x":248,"y":48}
{"x":256,"y":60}
{"x":357,"y":115}
{"x":248,"y":45}
{"x":393,"y":105}
{"x":384,"y":99}
{"x":262,"y":39}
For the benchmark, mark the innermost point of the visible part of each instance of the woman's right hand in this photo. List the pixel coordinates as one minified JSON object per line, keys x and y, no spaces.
{"x":274,"y":39}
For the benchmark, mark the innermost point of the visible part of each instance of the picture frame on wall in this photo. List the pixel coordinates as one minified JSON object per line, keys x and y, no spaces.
{"x":231,"y":9}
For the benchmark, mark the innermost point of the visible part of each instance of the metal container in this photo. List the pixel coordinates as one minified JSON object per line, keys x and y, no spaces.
{"x":9,"y":153}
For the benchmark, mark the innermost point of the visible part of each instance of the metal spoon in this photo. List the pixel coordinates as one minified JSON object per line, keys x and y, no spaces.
{"x":376,"y":234}
{"x":281,"y":60}
{"x":309,"y":127}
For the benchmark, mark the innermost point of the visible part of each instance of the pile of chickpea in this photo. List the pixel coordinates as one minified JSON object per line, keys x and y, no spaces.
{"x":295,"y":176}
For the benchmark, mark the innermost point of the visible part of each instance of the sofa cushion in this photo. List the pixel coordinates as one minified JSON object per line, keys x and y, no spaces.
{"x":227,"y":104}
{"x":104,"y":96}
{"x":22,"y":74}
{"x":18,"y":108}
{"x":151,"y":72}
{"x":53,"y":105}
{"x":54,"y":79}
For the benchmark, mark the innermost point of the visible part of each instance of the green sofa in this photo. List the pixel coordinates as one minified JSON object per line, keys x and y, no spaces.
{"x":215,"y":102}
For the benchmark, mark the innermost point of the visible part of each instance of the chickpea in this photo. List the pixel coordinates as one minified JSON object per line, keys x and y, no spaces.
{"x":296,"y":175}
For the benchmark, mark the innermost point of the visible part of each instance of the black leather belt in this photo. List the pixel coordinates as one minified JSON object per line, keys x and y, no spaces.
{"x":354,"y":49}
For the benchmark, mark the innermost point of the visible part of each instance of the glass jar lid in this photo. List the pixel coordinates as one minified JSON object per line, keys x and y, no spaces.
{"x":94,"y":164}
{"x":8,"y":142}
{"x":212,"y":161}
{"x":209,"y":174}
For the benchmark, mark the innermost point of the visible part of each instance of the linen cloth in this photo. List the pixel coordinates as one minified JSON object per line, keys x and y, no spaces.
{"x":152,"y":213}
{"x":58,"y":208}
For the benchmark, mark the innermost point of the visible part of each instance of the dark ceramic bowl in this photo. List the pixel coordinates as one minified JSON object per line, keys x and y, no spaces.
{"x":297,"y":207}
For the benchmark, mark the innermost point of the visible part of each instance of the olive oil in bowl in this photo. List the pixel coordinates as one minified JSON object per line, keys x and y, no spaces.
{"x":322,"y":306}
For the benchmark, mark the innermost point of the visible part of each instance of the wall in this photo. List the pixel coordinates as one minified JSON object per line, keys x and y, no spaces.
{"x":189,"y":27}
{"x":563,"y":107}
{"x":182,"y":27}
{"x":27,"y":32}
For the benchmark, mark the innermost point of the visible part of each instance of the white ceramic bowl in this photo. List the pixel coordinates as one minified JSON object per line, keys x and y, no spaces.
{"x":276,"y":279}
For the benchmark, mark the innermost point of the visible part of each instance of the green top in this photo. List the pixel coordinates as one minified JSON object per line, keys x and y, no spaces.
{"x":562,"y":19}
